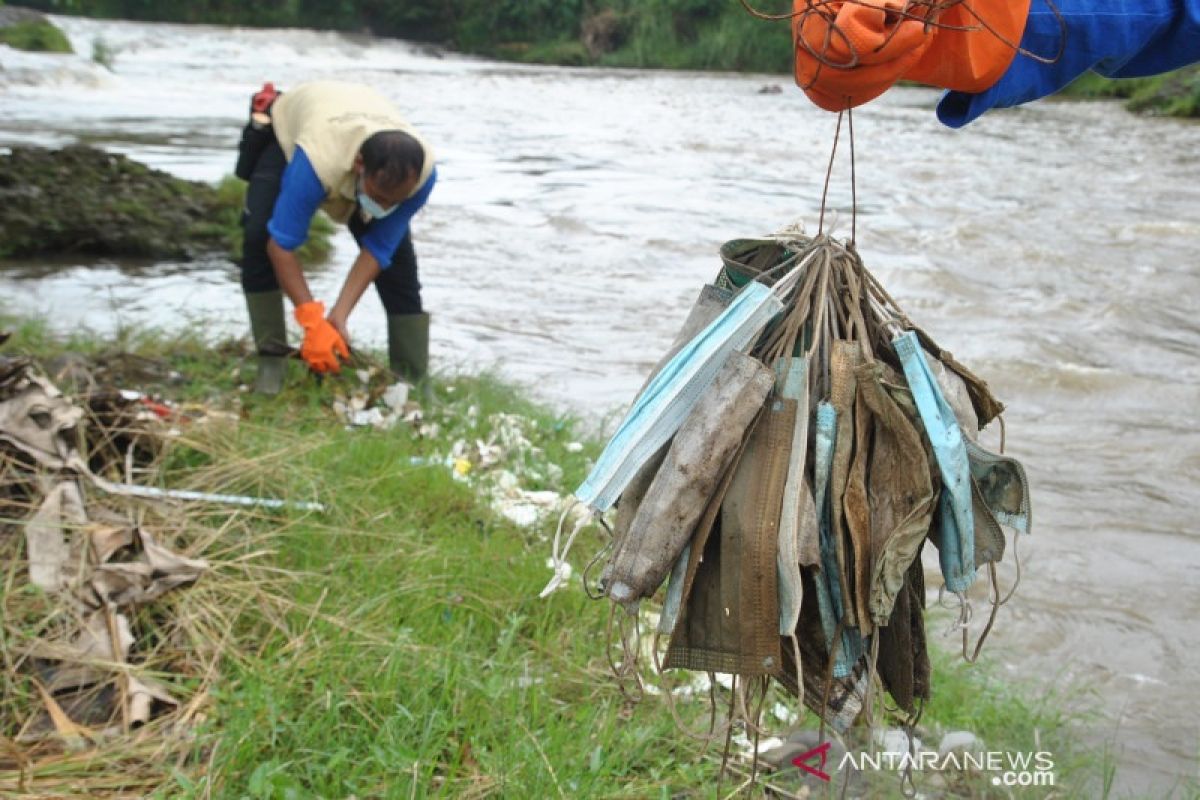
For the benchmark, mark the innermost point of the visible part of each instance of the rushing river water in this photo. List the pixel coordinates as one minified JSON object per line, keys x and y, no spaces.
{"x":1053,"y":249}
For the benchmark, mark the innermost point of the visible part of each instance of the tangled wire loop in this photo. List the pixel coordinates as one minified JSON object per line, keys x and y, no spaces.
{"x":927,"y":12}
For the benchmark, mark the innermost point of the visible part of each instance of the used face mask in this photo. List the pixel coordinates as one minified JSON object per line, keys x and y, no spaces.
{"x":702,"y":450}
{"x":957,"y":545}
{"x":830,"y":601}
{"x":666,"y":402}
{"x":373,"y":209}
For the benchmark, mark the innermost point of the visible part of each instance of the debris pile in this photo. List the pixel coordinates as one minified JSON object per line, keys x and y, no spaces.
{"x":380,"y":405}
{"x":102,"y":646}
{"x":95,"y":566}
{"x":779,"y":476}
{"x":503,"y":462}
{"x":496,"y":453}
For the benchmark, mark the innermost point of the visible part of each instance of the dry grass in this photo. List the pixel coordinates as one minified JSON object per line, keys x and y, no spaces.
{"x":81,"y":745}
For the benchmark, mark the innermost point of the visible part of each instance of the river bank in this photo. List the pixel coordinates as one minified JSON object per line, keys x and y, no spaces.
{"x":81,"y":201}
{"x":397,"y":638}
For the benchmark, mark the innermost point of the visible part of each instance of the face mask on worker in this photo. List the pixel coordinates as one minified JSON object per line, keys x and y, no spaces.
{"x":373,"y":209}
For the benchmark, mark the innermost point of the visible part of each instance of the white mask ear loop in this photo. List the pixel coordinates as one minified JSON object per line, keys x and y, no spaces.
{"x":558,"y":559}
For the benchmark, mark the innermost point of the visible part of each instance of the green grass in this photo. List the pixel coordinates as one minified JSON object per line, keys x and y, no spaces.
{"x":231,"y":198}
{"x":35,"y":36}
{"x":415,"y":658}
{"x":730,"y":40}
{"x":1175,"y":94}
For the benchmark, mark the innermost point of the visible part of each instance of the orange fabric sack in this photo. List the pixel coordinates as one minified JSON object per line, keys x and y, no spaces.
{"x":849,"y":52}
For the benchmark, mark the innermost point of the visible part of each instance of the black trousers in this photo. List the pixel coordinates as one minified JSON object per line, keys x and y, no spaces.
{"x":398,"y":285}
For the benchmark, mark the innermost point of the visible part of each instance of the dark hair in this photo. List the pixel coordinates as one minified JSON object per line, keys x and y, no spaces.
{"x":391,"y":157}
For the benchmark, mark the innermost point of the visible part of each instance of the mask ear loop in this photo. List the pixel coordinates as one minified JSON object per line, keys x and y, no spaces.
{"x":964,"y":609}
{"x":993,"y":583}
{"x":868,"y":704}
{"x":828,"y":174}
{"x":669,"y":691}
{"x":728,"y":735}
{"x":622,"y":671}
{"x":558,"y":558}
{"x":608,"y":546}
{"x":799,"y":677}
{"x":994,"y":591}
{"x":764,"y":687}
{"x":908,"y":787}
{"x":837,"y":640}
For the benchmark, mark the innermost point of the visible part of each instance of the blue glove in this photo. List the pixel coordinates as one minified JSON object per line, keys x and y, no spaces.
{"x":1116,"y":38}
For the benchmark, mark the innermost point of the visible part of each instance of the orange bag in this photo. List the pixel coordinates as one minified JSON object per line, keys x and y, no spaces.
{"x":849,"y":52}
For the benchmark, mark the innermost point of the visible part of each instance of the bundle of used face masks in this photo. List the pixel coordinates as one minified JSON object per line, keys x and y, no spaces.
{"x":781,"y":471}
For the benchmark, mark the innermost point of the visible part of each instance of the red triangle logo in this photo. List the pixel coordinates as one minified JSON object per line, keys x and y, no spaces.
{"x":820,"y":751}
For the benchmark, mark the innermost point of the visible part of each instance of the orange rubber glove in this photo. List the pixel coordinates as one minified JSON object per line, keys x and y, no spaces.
{"x":322,"y":343}
{"x":849,"y":52}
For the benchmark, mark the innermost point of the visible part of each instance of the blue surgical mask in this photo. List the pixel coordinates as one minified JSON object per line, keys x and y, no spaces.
{"x":668,"y":399}
{"x":956,"y":550}
{"x":373,"y":209}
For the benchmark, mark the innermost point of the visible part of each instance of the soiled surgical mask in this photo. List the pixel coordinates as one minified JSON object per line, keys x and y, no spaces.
{"x":373,"y":209}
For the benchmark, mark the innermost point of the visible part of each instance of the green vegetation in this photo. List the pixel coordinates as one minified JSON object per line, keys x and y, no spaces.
{"x":674,"y":34}
{"x":396,"y":645}
{"x":83,"y":200}
{"x":226,"y":222}
{"x":684,"y":34}
{"x":1176,"y":94}
{"x":36,"y":36}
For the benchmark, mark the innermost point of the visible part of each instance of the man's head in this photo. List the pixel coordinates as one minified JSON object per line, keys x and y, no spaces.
{"x":389,"y":164}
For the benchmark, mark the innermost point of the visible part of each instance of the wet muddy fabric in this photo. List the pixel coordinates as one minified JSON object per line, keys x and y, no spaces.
{"x":858,"y":512}
{"x":1003,"y":487}
{"x":730,"y":621}
{"x":846,"y":357}
{"x":1000,"y":496}
{"x":797,"y":499}
{"x":699,"y":455}
{"x":954,"y":388}
{"x":830,"y":597}
{"x":49,"y":535}
{"x":838,"y":701}
{"x":901,"y":495}
{"x":903,"y":659}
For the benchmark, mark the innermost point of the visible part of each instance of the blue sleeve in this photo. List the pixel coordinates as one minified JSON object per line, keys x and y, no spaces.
{"x":299,"y":198}
{"x":1116,"y":38}
{"x":384,"y":235}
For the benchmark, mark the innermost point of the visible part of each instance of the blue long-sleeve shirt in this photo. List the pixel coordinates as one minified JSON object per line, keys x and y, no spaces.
{"x":301,"y":194}
{"x":1116,"y":38}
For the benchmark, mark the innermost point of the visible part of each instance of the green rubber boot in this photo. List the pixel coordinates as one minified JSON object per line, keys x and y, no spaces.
{"x":408,"y":349}
{"x":270,"y":340}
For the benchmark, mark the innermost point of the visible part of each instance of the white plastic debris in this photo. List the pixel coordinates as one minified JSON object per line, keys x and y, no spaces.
{"x":396,"y":396}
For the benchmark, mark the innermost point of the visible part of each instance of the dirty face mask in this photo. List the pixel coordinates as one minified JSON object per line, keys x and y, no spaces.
{"x":37,"y":419}
{"x":372,"y":208}
{"x":701,"y":452}
{"x":957,"y":545}
{"x":667,"y":401}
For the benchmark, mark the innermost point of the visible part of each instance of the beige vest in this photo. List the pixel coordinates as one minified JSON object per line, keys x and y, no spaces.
{"x":331,"y":120}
